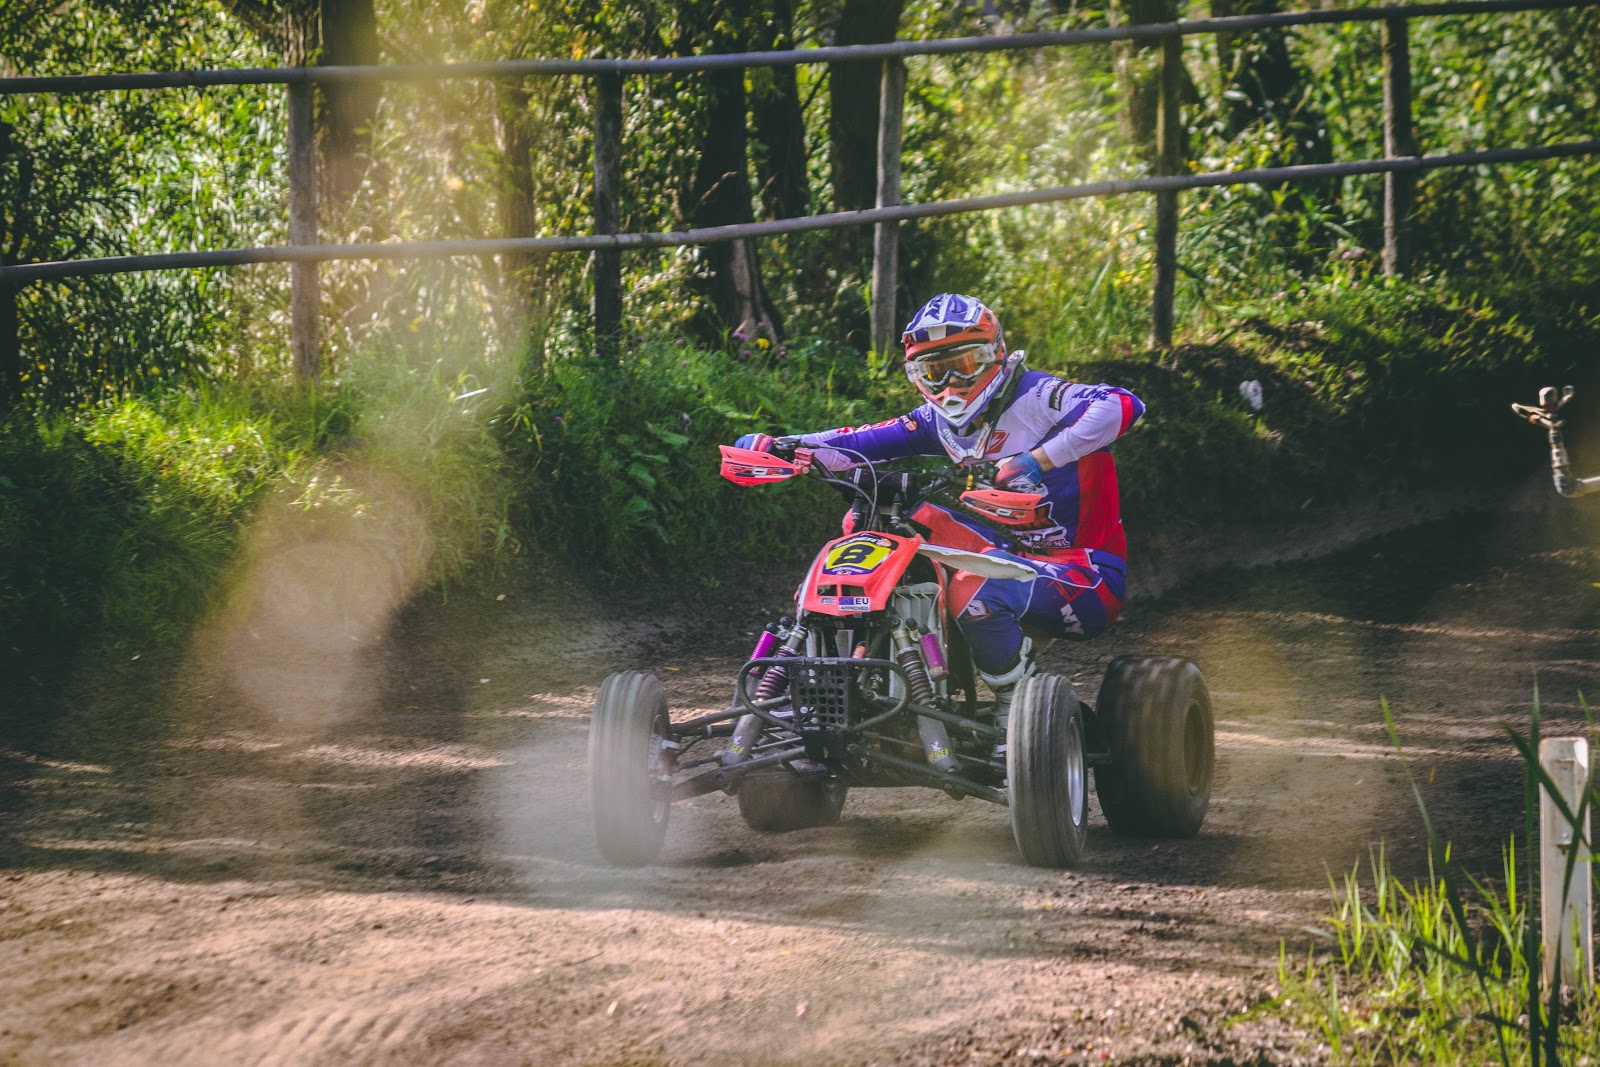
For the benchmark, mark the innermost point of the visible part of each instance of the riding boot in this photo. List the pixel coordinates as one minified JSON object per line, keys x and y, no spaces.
{"x":1004,"y":685}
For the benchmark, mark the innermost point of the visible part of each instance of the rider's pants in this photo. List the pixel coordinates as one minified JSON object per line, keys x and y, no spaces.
{"x":1076,"y":595}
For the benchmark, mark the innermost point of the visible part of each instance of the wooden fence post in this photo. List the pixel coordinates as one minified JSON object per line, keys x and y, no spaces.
{"x":1399,"y":141}
{"x":304,"y":300}
{"x":1169,"y":161}
{"x":607,"y":215}
{"x":886,"y":235}
{"x":1566,"y":921}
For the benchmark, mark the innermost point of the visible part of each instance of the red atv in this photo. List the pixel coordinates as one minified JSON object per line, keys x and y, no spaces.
{"x":871,"y":684}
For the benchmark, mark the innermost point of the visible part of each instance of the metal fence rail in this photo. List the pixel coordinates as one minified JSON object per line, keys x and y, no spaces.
{"x":525,"y":68}
{"x":1400,"y":166}
{"x":320,"y":253}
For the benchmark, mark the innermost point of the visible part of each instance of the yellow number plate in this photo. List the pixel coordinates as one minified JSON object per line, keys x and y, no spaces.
{"x":859,"y":555}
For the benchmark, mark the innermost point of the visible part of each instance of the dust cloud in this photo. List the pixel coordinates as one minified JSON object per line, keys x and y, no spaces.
{"x":329,"y":563}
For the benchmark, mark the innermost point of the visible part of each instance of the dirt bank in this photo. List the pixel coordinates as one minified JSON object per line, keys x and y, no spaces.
{"x":386,"y":858}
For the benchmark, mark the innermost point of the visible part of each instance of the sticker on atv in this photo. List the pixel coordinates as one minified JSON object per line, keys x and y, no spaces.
{"x":861,"y":554}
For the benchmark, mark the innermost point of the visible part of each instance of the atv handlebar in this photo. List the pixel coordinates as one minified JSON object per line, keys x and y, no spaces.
{"x":877,"y":496}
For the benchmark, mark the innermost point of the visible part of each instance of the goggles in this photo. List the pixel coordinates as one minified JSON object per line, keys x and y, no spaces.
{"x":962,"y":364}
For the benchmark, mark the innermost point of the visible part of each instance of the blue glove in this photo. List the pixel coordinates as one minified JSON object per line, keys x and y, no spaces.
{"x":1020,"y":473}
{"x":756,"y":442}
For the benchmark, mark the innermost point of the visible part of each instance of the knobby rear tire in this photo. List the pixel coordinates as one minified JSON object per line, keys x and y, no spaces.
{"x":1155,"y":714}
{"x":630,"y":716}
{"x":1047,"y":773}
{"x":779,"y":803}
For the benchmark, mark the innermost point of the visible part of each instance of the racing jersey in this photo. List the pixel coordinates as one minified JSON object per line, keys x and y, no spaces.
{"x":1075,"y":425}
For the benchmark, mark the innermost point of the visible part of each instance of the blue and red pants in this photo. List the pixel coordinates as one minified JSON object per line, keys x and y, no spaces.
{"x":1077,"y":592}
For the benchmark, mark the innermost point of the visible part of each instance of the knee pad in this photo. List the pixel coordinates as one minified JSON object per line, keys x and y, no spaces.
{"x":1022,"y":669}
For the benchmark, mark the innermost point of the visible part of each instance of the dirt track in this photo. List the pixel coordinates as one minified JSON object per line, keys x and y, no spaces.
{"x":388,"y":860}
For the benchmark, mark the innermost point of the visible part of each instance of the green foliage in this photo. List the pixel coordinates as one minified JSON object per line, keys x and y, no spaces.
{"x":1367,"y":386}
{"x":620,"y":466}
{"x":120,"y":520}
{"x":119,"y":173}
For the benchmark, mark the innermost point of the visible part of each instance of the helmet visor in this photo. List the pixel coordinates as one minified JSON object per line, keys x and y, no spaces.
{"x":958,"y":366}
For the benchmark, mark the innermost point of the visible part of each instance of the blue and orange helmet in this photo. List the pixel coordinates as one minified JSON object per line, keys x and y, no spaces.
{"x":956,"y":357}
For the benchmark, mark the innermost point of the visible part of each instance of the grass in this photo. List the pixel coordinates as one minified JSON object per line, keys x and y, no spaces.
{"x":1444,"y":971}
{"x":123,"y":523}
{"x":120,"y":520}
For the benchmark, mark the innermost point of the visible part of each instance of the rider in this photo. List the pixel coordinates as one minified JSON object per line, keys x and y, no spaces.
{"x":1048,"y":436}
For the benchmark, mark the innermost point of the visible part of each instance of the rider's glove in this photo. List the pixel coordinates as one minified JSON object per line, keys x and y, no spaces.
{"x":1020,"y":473}
{"x":756,"y":442}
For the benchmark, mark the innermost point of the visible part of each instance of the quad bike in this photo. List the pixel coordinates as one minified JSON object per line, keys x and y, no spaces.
{"x":871,"y":684}
{"x":1548,"y":415}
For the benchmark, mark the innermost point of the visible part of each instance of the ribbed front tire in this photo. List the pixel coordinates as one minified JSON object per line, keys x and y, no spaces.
{"x":1047,"y":773}
{"x":625,"y":761}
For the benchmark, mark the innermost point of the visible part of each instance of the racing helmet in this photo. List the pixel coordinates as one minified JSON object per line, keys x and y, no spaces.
{"x":956,"y":357}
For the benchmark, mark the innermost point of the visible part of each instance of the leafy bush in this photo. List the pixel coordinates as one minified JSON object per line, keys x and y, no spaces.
{"x":620,"y":468}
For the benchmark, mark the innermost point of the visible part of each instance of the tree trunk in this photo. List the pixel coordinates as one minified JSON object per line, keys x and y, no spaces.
{"x":1258,"y":75}
{"x":720,"y":197}
{"x":853,"y":103}
{"x":330,"y":33}
{"x":10,"y":346}
{"x":1138,"y":69}
{"x":349,"y":39}
{"x":779,"y":124}
{"x":1261,"y":82}
{"x":11,"y":252}
{"x":298,"y":31}
{"x":517,"y":215}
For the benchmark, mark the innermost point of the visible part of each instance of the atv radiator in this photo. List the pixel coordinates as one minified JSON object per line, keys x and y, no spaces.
{"x":827,"y":694}
{"x":824,"y":695}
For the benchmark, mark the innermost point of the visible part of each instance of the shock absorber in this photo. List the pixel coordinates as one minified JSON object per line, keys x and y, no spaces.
{"x":777,"y":675}
{"x":935,"y":738}
{"x":772,"y":684}
{"x":908,"y":653}
{"x":933,"y":652}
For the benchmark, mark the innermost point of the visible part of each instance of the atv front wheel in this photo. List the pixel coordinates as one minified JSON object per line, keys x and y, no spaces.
{"x":1155,"y":715}
{"x":1047,"y":773}
{"x":778,"y":803}
{"x":627,"y":761}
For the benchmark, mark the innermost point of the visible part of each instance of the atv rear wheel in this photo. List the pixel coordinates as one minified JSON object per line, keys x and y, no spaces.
{"x":1155,"y":715}
{"x":778,"y":803}
{"x":1046,"y":771}
{"x":627,"y":759}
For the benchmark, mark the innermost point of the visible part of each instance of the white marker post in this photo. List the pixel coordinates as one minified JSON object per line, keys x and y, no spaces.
{"x":1565,"y":913}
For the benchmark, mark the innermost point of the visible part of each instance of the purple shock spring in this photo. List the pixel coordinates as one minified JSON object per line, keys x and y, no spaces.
{"x":773,"y":682}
